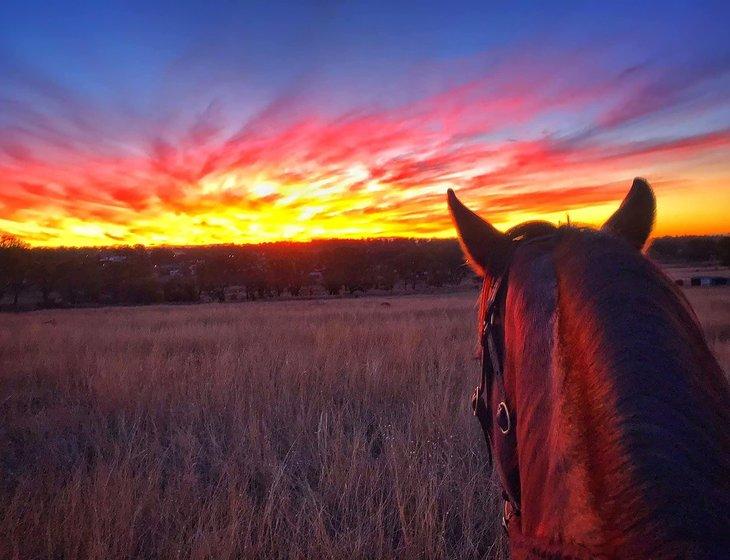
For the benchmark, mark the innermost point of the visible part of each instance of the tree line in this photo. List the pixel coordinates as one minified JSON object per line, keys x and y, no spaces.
{"x":45,"y":277}
{"x":141,"y":275}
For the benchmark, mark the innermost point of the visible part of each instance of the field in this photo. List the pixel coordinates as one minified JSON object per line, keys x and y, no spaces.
{"x":332,"y":429}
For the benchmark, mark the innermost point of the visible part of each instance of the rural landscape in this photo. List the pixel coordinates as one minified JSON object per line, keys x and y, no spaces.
{"x":66,"y":277}
{"x":323,"y":428}
{"x":364,"y":280}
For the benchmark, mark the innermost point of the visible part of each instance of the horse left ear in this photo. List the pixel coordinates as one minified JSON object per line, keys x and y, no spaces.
{"x":635,"y":217}
{"x":485,"y":247}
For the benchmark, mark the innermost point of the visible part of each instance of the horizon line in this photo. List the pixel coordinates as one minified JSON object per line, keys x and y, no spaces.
{"x":316,"y":240}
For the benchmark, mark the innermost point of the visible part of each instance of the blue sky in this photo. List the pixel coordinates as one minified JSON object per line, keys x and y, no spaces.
{"x":136,"y":51}
{"x":86,"y":82}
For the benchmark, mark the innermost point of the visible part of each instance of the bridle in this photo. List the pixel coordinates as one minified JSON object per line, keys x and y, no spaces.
{"x":492,"y":378}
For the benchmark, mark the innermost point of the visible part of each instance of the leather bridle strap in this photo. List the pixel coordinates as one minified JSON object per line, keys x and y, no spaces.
{"x":479,"y":407}
{"x":492,"y":376}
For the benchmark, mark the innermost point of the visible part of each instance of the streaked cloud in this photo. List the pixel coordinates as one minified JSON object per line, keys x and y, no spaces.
{"x":528,"y":136}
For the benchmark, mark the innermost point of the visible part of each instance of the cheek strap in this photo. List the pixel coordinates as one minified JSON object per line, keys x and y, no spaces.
{"x":491,"y":379}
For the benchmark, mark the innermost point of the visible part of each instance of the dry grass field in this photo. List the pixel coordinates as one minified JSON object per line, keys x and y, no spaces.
{"x":334,"y":429}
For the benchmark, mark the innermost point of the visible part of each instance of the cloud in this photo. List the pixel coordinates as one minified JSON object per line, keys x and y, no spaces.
{"x":651,"y":90}
{"x":522,"y":139}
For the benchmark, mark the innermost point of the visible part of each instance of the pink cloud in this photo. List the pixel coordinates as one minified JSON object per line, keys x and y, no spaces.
{"x":487,"y":135}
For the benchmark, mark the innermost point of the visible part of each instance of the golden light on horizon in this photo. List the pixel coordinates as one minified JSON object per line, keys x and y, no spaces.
{"x":204,"y":153}
{"x":380,"y":175}
{"x":295,"y":212}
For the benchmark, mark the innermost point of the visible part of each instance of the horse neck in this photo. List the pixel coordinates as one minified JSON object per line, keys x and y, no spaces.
{"x":620,"y":406}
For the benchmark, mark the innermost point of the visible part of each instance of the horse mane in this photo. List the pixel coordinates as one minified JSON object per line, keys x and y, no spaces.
{"x":643,"y":392}
{"x":646,"y":392}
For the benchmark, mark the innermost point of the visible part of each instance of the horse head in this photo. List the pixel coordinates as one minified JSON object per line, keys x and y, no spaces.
{"x":598,"y":391}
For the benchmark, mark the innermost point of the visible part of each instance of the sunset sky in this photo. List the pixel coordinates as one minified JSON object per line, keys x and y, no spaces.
{"x":209,"y":122}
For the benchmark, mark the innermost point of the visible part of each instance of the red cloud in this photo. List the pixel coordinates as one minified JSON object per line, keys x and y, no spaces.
{"x":367,"y":172}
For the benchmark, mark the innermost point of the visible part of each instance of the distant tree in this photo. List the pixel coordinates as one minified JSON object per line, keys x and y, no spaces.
{"x":279,"y":270}
{"x":126,"y":275}
{"x":45,"y":272}
{"x":699,"y":249}
{"x":723,"y":250}
{"x":665,"y":249}
{"x":81,"y":278}
{"x":142,"y":285}
{"x":179,"y":290}
{"x":217,"y":272}
{"x":347,"y":265}
{"x":293,"y":263}
{"x":412,"y":266}
{"x":240,"y":266}
{"x":384,"y":276}
{"x":14,"y":266}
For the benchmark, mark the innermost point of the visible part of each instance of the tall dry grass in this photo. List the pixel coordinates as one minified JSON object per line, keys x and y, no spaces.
{"x":259,"y":430}
{"x":317,"y":430}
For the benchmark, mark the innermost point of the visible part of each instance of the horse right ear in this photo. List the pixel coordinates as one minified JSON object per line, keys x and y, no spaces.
{"x":486,"y":249}
{"x":634,"y":219}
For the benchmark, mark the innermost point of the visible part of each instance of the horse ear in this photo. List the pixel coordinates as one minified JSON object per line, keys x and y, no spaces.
{"x":485,"y":247}
{"x":635,"y":217}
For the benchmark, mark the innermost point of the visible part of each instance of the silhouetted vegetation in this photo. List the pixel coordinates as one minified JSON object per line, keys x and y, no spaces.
{"x":14,"y":266}
{"x":691,"y":249}
{"x":138,"y":275}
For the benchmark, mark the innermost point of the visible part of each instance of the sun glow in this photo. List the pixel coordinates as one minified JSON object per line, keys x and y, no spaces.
{"x":234,"y":208}
{"x":263,"y":189}
{"x":380,"y":173}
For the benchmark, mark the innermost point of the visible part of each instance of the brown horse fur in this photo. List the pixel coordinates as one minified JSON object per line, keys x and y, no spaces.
{"x":622,"y":412}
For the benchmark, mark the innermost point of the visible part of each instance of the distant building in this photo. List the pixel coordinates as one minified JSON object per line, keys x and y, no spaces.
{"x":708,"y":281}
{"x":168,"y":271}
{"x":112,"y":258}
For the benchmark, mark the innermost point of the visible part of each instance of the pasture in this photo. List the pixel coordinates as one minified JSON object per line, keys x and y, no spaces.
{"x":291,"y":429}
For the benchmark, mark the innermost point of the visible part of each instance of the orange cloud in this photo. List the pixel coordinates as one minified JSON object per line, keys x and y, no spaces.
{"x":383,"y":172}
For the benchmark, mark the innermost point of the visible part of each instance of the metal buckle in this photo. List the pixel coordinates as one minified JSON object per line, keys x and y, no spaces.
{"x":508,"y":512}
{"x":504,"y":421}
{"x":475,"y":396}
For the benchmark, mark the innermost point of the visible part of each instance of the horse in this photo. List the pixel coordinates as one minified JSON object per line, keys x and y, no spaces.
{"x":605,"y":412}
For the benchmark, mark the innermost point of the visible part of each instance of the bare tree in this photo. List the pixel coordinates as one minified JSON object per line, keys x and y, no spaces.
{"x":14,"y":260}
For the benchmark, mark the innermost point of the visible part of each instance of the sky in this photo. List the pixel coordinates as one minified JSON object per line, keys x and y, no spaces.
{"x":218,"y":122}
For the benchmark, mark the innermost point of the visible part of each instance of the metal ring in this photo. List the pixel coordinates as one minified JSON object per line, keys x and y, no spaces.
{"x":503,"y":410}
{"x":508,"y":512}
